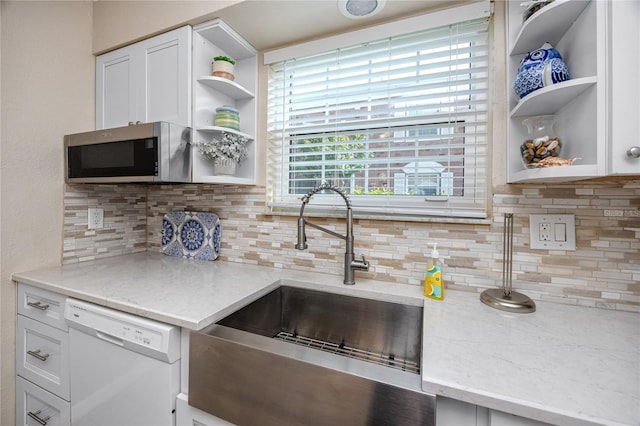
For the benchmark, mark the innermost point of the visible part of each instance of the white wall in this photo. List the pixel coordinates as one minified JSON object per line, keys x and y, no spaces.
{"x":117,"y":23}
{"x":47,"y":80}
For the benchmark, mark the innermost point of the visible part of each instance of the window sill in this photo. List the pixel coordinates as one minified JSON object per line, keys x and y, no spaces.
{"x":310,"y":211}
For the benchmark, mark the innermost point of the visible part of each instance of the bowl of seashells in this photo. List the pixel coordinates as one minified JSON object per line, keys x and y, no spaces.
{"x":541,"y":142}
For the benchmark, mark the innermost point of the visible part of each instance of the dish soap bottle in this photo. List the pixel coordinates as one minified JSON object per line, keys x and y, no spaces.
{"x":433,"y":284}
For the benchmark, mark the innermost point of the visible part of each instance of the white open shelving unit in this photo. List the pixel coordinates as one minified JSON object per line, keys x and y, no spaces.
{"x":211,"y":39}
{"x":575,"y":28}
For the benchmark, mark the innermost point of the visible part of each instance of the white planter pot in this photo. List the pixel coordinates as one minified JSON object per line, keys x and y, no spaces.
{"x":224,"y":166}
{"x":223,"y":69}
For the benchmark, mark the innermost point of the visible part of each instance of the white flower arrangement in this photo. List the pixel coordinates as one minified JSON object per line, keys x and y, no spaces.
{"x":228,"y":146}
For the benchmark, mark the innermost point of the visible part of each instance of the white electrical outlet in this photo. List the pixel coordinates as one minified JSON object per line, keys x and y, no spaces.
{"x":545,"y":232}
{"x":96,"y":218}
{"x":552,"y":232}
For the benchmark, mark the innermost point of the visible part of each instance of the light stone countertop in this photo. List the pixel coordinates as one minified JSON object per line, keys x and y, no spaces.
{"x":562,"y":364}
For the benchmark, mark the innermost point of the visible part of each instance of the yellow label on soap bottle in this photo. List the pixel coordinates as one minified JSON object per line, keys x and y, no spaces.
{"x":433,"y":285}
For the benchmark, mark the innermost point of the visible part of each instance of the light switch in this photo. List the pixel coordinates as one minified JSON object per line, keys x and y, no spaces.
{"x":560,"y":230}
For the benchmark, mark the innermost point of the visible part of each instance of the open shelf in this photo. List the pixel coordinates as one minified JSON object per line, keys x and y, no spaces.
{"x":549,"y":24}
{"x":220,"y":34}
{"x":226,"y":179}
{"x":226,"y":86}
{"x":556,"y":174}
{"x":551,"y":99}
{"x":218,"y":129}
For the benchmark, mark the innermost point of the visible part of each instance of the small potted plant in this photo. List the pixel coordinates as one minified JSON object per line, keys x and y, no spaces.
{"x":227,"y":152}
{"x":223,"y":67}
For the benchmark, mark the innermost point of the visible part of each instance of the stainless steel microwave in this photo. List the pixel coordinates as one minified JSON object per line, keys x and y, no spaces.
{"x":149,"y":152}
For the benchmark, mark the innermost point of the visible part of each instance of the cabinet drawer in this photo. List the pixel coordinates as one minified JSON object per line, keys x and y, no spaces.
{"x":42,"y":305}
{"x":42,"y":355}
{"x":35,"y":406}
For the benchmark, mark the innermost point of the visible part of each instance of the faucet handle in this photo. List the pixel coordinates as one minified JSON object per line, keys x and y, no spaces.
{"x":362,"y":265}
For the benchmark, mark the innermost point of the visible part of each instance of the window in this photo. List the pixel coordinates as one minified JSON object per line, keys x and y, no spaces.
{"x":399,"y":123}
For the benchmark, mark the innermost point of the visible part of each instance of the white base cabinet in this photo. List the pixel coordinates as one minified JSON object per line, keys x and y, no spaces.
{"x":42,"y":358}
{"x":146,"y":81}
{"x":597,"y":110}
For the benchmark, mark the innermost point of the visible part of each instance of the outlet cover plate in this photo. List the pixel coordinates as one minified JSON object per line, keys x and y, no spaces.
{"x":95,"y":218}
{"x":543,"y":235}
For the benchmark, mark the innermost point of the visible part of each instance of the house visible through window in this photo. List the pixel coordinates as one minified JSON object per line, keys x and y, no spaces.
{"x":399,"y":123}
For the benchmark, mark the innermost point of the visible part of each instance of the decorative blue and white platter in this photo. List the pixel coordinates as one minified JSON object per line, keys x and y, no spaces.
{"x":192,"y":235}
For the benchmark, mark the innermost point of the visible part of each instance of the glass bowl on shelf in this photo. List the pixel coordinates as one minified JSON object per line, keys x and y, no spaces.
{"x":541,"y":142}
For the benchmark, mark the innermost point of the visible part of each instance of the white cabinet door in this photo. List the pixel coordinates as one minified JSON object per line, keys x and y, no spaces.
{"x":165,"y":92}
{"x":147,"y":81}
{"x":115,"y":98}
{"x":624,"y":86}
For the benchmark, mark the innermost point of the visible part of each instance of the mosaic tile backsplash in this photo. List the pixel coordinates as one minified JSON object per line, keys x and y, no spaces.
{"x":603,"y":272}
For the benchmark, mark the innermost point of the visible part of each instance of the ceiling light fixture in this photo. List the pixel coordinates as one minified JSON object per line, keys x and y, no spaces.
{"x":357,"y":9}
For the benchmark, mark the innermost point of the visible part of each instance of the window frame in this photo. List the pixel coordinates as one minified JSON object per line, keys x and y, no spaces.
{"x":392,"y":207}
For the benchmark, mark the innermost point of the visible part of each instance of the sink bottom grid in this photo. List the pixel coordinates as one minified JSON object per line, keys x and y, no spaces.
{"x":342,"y":349}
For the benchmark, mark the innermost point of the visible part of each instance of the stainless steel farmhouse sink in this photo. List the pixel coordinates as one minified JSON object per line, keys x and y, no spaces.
{"x":307,"y":357}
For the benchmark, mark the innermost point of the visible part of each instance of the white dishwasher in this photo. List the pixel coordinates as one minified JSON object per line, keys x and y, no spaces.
{"x":125,"y":369}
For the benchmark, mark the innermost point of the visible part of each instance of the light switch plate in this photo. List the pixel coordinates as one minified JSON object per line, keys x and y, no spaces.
{"x":552,"y":231}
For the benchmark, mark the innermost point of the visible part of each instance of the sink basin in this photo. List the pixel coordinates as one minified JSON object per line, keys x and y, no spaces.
{"x":302,"y":356}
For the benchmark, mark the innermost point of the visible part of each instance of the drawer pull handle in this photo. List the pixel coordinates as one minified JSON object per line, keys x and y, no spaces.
{"x":37,"y":305}
{"x":36,"y":354}
{"x":37,"y":418}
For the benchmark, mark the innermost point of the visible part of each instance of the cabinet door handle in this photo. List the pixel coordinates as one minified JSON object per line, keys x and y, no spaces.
{"x":38,"y":305}
{"x":633,"y":152}
{"x":37,"y":418}
{"x":36,"y":354}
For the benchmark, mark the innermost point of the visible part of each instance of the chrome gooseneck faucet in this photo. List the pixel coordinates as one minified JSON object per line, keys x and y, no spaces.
{"x":350,"y":263}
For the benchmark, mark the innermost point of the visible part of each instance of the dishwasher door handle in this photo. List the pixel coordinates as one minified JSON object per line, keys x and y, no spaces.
{"x":109,"y":338}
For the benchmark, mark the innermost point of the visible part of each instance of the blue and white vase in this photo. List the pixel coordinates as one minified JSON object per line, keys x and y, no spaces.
{"x":540,"y":68}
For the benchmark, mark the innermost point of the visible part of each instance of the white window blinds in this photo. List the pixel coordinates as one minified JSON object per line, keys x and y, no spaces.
{"x":400,"y":124}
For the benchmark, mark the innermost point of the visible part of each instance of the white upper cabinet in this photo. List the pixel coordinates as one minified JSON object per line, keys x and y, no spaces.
{"x":146,"y":81}
{"x":211,"y":39}
{"x":597,"y":111}
{"x":624,"y":88}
